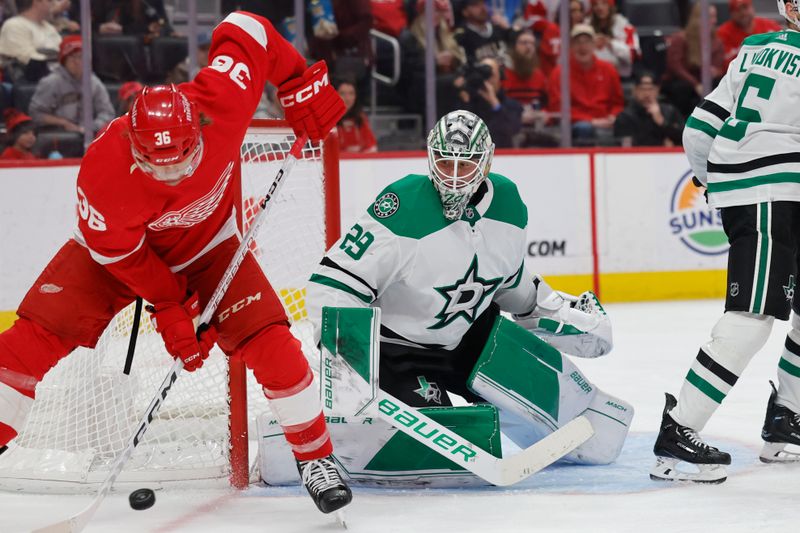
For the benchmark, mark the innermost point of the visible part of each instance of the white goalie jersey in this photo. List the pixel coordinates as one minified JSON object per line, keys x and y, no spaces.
{"x":431,"y":277}
{"x":743,"y":139}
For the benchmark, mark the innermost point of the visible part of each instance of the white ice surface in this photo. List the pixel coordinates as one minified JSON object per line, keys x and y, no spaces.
{"x":654,"y":346}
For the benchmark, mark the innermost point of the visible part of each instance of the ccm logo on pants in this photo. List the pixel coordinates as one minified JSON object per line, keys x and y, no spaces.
{"x":238,"y":306}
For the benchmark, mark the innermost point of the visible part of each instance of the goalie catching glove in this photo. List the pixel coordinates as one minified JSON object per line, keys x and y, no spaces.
{"x":310,"y":103}
{"x":575,"y":325}
{"x":176,"y":324}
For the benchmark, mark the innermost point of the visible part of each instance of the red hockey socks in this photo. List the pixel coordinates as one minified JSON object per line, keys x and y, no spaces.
{"x":280,"y":367}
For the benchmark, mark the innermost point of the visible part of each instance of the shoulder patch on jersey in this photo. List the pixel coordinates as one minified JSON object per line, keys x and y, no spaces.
{"x":507,"y":205}
{"x":386,"y":205}
{"x":785,"y":36}
{"x":409,"y":207}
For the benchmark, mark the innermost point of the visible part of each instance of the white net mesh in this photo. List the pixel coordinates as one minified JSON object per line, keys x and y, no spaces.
{"x":87,"y":408}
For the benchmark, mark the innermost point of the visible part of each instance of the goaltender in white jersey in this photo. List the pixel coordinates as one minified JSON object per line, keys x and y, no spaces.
{"x":743,"y":143}
{"x":441,"y":255}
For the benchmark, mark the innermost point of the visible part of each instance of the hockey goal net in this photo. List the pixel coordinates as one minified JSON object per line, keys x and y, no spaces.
{"x":87,"y":408}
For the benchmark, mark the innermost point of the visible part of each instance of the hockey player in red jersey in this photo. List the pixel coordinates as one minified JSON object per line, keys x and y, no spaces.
{"x":156,"y":195}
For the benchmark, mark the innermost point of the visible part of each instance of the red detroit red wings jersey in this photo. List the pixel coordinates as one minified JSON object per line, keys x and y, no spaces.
{"x":143,"y":230}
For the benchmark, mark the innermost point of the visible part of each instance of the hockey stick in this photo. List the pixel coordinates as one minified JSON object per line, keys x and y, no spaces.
{"x":497,"y":471}
{"x":137,"y":314}
{"x":76,"y":523}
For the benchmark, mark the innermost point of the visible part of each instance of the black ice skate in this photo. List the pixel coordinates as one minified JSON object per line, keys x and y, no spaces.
{"x":324,"y":484}
{"x":676,"y":444}
{"x":781,"y":428}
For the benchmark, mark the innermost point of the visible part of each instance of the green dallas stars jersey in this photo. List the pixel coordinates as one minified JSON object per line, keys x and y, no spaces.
{"x":431,"y":277}
{"x":743,"y":138}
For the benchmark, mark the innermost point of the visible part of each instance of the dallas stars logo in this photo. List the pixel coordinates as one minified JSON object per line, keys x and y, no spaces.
{"x":386,"y":206}
{"x":429,"y":391}
{"x":465,"y":296}
{"x":788,"y":289}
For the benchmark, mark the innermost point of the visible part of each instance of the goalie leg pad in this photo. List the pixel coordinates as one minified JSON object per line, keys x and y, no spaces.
{"x":611,"y":419}
{"x":280,"y":368}
{"x":374,"y":453}
{"x":369,"y":449}
{"x":735,"y":339}
{"x":539,"y":390}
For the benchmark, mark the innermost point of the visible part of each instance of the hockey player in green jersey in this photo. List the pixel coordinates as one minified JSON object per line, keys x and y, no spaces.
{"x":442,"y":255}
{"x":742,"y":144}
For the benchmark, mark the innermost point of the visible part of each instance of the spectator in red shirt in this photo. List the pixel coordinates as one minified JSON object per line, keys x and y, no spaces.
{"x":538,"y":13}
{"x":550,"y":37}
{"x":390,"y":16}
{"x":524,"y":80}
{"x":355,"y":135}
{"x":22,"y":136}
{"x":526,"y":83}
{"x":126,"y":95}
{"x":595,"y":89}
{"x":535,"y":15}
{"x":682,"y":80}
{"x":743,"y":22}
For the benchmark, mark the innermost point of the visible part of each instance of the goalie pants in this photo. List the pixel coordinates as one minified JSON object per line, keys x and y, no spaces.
{"x":420,"y":377}
{"x":75,"y":298}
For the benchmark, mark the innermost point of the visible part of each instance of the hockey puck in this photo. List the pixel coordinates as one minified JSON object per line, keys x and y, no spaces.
{"x":142,"y":499}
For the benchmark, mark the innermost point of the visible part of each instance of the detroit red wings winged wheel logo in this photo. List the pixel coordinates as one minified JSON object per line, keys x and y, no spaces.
{"x":197,"y":211}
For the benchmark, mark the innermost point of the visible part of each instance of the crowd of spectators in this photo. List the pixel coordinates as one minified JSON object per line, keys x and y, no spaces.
{"x":501,"y":60}
{"x":497,"y":59}
{"x":41,"y":68}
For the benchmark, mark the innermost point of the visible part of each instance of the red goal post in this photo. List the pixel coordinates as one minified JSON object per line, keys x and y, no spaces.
{"x":328,"y":155}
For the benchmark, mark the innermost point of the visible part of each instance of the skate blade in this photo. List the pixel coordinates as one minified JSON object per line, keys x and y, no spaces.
{"x":667,"y":469}
{"x":776,"y":452}
{"x":341,"y":519}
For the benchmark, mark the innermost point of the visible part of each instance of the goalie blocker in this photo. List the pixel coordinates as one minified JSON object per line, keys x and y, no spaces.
{"x":532,"y":388}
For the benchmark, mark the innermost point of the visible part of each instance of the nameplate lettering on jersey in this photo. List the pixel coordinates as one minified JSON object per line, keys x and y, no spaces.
{"x":779,"y":60}
{"x":197,"y":211}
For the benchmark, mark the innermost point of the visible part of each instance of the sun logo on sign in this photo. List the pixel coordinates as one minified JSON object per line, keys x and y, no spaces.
{"x":693,"y":222}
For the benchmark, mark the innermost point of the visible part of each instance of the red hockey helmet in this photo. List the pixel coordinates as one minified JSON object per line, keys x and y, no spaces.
{"x":165,"y":133}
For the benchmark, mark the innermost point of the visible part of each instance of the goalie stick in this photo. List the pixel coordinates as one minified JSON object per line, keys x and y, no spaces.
{"x":77,"y":522}
{"x":497,"y":471}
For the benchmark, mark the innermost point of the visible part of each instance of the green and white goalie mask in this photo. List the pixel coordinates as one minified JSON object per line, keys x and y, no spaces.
{"x":460,"y":153}
{"x":793,"y":13}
